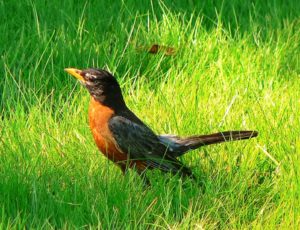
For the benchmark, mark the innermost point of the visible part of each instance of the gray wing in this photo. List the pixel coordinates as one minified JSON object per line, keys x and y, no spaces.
{"x":141,"y":143}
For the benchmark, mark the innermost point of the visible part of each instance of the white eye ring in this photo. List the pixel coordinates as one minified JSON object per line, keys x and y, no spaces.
{"x":88,"y":75}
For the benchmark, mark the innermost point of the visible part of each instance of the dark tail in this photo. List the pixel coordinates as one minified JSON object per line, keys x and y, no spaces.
{"x":180,"y":145}
{"x":195,"y":142}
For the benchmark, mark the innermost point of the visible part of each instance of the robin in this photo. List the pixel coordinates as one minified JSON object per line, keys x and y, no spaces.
{"x":124,"y":139}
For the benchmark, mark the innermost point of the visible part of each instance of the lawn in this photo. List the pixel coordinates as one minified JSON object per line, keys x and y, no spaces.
{"x":236,"y":65}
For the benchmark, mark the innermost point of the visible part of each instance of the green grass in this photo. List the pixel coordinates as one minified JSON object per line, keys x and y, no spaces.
{"x":237,"y":66}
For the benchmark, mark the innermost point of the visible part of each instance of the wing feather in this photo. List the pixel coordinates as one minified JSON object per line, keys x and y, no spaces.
{"x":141,"y":143}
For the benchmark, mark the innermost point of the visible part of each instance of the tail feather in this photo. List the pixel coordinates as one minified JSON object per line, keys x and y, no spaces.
{"x":195,"y":142}
{"x":180,"y":145}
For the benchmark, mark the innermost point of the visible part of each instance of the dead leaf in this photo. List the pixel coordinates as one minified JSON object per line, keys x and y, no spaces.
{"x":165,"y":49}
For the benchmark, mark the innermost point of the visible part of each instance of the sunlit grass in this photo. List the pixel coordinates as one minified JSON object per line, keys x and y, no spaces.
{"x":230,"y":72}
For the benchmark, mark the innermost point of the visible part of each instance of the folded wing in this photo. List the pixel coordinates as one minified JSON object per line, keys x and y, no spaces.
{"x":141,"y":143}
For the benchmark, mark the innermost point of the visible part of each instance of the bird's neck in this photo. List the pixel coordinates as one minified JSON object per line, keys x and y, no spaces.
{"x":114,"y":102}
{"x":100,"y":108}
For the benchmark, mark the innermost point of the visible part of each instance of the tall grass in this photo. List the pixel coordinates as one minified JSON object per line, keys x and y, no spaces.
{"x":236,"y":67}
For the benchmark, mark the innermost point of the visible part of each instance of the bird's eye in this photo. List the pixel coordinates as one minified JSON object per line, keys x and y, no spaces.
{"x":90,"y":76}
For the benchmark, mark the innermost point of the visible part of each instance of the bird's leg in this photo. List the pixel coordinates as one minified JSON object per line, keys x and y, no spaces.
{"x":142,"y":174}
{"x":123,"y":168}
{"x":145,"y":180}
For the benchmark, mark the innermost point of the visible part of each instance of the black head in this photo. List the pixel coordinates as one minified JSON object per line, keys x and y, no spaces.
{"x":101,"y":84}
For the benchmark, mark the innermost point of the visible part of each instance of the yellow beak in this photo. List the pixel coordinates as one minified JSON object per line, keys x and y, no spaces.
{"x":75,"y":73}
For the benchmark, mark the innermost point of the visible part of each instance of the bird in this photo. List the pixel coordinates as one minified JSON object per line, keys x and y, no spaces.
{"x":127,"y":141}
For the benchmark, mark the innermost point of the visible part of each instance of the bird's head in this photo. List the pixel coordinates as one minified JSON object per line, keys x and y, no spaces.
{"x":101,"y":84}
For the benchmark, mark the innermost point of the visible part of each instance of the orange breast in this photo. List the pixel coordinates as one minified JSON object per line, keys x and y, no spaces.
{"x":99,"y":116}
